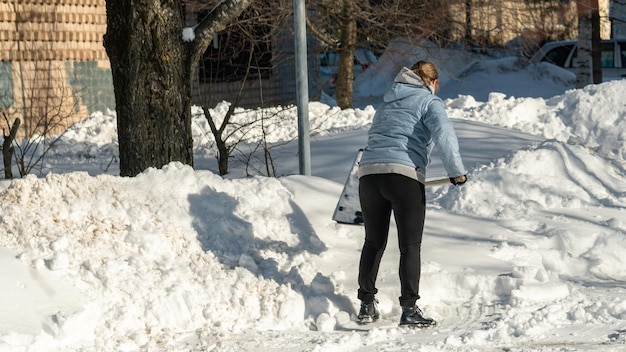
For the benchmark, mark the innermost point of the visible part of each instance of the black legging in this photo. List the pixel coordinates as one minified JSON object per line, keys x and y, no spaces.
{"x":379,"y":195}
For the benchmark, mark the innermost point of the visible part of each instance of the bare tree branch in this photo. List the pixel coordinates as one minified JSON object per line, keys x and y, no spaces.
{"x":215,"y":21}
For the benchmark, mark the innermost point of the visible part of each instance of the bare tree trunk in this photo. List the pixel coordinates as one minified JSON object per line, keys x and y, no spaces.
{"x":589,"y":65}
{"x":151,"y":79}
{"x":345,"y":78}
{"x":468,"y":21}
{"x":223,"y":151}
{"x":596,"y":49}
{"x":152,"y":68}
{"x":7,"y":149}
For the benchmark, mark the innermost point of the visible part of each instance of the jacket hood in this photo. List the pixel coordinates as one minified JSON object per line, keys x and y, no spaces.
{"x":412,"y":84}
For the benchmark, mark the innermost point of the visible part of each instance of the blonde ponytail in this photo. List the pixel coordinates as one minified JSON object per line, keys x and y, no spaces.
{"x":426,"y":70}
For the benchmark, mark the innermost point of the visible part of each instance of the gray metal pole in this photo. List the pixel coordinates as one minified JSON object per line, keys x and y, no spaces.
{"x":302,"y":87}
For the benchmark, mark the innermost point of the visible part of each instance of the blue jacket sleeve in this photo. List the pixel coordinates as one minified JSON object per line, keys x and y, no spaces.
{"x":444,"y":137}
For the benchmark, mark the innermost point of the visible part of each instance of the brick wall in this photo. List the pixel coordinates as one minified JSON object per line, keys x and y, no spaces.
{"x":501,"y":21}
{"x":53,"y":65}
{"x":52,"y":61}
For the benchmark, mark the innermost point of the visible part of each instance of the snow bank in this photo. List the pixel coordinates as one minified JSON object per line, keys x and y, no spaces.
{"x":166,"y":252}
{"x":593,"y":116}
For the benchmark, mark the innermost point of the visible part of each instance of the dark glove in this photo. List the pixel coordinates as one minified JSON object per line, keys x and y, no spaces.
{"x":459,"y":180}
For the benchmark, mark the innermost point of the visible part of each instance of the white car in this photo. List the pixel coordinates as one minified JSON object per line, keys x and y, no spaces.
{"x":565,"y":54}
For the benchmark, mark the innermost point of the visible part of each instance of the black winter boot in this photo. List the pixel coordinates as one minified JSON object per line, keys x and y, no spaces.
{"x":368,"y":312}
{"x":413,"y":317}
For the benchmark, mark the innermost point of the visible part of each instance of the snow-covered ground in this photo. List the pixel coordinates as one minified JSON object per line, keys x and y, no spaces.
{"x":527,"y":256}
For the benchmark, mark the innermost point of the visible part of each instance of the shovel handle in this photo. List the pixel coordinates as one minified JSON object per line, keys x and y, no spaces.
{"x":437,"y":182}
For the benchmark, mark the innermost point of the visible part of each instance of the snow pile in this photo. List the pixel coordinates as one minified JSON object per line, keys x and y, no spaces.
{"x":553,"y":175}
{"x":593,"y":116}
{"x":462,"y":73}
{"x":96,"y":136}
{"x":166,"y":252}
{"x":480,"y":78}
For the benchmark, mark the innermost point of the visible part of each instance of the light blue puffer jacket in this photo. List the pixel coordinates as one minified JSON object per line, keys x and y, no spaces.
{"x":405,"y":127}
